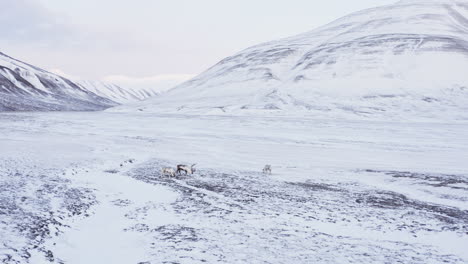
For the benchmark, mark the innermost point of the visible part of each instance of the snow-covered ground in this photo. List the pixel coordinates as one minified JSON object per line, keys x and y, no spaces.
{"x":87,"y":188}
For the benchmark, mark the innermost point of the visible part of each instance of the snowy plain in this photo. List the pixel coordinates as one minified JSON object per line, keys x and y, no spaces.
{"x":87,"y":188}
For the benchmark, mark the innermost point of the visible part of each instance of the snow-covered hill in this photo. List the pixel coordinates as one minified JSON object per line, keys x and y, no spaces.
{"x":24,"y":87}
{"x":409,"y":59}
{"x":117,"y":93}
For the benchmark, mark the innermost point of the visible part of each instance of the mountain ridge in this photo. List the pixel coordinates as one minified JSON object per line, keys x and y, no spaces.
{"x":25,"y":87}
{"x":116,"y":92}
{"x":373,"y":62}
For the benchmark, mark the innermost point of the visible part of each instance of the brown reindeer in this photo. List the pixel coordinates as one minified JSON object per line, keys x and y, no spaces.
{"x":187,"y":169}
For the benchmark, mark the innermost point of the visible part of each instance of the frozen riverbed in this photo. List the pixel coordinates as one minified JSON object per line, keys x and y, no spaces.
{"x":87,"y":188}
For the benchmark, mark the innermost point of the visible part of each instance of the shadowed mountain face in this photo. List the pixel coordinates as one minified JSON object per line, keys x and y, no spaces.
{"x":24,"y":87}
{"x":406,"y":59}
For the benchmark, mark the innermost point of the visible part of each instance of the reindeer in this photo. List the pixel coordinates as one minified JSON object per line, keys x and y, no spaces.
{"x":168,"y":171}
{"x":187,"y":169}
{"x":267,"y":169}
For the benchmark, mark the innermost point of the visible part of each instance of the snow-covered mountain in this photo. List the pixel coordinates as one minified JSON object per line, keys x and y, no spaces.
{"x":400,"y":60}
{"x":117,"y":93}
{"x":24,"y":87}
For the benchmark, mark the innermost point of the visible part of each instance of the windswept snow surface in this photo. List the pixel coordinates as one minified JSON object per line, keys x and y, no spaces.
{"x":403,"y":61}
{"x":24,"y":87}
{"x":83,"y":188}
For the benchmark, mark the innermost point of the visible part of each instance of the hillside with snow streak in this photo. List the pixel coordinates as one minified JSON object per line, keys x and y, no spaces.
{"x":118,"y":93}
{"x":24,"y":87}
{"x":406,"y":60}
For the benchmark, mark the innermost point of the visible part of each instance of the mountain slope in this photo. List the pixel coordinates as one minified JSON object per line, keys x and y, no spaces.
{"x":24,"y":87}
{"x":117,"y":93}
{"x":401,"y":60}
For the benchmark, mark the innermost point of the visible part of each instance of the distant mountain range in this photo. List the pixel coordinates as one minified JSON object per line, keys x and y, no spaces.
{"x":116,"y":93}
{"x":24,"y":87}
{"x":409,"y":59}
{"x":400,"y":60}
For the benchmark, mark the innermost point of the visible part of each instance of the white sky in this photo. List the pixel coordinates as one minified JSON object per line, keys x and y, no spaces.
{"x":98,"y":39}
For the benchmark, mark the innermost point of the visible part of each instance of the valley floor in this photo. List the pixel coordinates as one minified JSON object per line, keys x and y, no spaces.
{"x":87,"y":188}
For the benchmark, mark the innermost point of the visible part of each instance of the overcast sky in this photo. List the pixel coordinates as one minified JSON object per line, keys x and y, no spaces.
{"x":152,"y":40}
